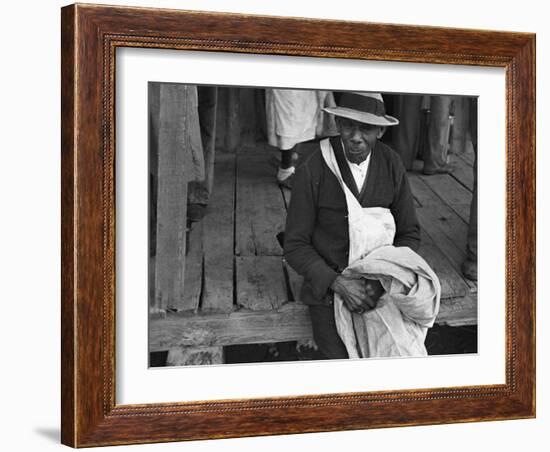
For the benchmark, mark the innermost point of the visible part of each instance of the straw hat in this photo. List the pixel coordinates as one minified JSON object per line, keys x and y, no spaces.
{"x":367,"y":108}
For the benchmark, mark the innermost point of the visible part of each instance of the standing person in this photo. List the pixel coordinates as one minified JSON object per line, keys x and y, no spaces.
{"x":469,"y":266}
{"x":436,"y":157}
{"x":406,"y":135}
{"x":317,"y":236}
{"x":293,"y":117}
{"x":432,"y":127}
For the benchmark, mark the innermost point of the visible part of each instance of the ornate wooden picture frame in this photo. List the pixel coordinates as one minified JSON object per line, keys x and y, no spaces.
{"x":90,"y":37}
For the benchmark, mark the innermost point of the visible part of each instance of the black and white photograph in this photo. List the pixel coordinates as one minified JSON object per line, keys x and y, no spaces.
{"x":294,"y":224}
{"x":235,"y":225}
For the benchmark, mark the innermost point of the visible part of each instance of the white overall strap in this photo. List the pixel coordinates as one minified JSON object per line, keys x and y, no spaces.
{"x":330,"y":160}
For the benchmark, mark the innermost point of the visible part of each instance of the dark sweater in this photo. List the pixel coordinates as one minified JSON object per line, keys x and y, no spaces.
{"x":316,"y":236}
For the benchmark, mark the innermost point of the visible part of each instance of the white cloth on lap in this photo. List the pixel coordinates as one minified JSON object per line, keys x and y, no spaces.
{"x":399,"y":323}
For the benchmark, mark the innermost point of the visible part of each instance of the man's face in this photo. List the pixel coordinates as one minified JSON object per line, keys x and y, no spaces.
{"x":358,"y":138}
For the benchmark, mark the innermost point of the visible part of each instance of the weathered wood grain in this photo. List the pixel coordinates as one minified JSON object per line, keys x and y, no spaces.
{"x":446,"y":229}
{"x":451,"y":192}
{"x":260,"y":282}
{"x":90,"y":416}
{"x":173,"y":119}
{"x":423,"y":193}
{"x":458,"y":311}
{"x":260,"y":210}
{"x":290,"y":322}
{"x":195,"y":356}
{"x":452,"y":284}
{"x":219,"y":238}
{"x":449,"y":232}
{"x":193,"y":270}
{"x":463,"y":172}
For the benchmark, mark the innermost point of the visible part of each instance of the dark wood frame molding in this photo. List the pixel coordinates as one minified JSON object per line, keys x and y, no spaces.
{"x":90,"y":35}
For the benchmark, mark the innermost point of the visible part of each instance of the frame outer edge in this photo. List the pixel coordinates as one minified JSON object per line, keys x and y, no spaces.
{"x":526,"y":194}
{"x":68,"y":215}
{"x":84,"y":421}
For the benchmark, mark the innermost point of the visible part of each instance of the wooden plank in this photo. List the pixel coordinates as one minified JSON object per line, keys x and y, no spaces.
{"x":260,"y":282}
{"x":452,"y":284}
{"x":426,"y":194}
{"x":219,"y":238}
{"x":446,"y":229}
{"x":463,"y":211}
{"x":193,"y":270}
{"x":169,"y":123}
{"x":260,"y":210}
{"x":449,"y":232}
{"x":195,"y":356}
{"x":450,"y":191}
{"x":463,"y":173}
{"x":422,"y":192}
{"x":290,"y":322}
{"x":458,"y":311}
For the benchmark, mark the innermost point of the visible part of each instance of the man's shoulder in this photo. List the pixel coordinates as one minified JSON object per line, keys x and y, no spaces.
{"x":388,"y":153}
{"x":390,"y":157}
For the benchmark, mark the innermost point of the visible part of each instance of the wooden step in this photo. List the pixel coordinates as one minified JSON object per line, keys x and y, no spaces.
{"x":290,"y":322}
{"x":260,"y":282}
{"x":260,"y":209}
{"x":219,"y":238}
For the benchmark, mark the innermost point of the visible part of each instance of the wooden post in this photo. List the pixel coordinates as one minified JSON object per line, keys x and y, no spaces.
{"x":175,"y":139}
{"x":172,"y":124}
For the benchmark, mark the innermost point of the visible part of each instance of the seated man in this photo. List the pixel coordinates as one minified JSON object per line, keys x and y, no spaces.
{"x":317,"y":241}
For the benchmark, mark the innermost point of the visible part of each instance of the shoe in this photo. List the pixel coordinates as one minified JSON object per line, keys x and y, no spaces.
{"x":469,"y":269}
{"x":285,"y":176}
{"x":286,"y":183}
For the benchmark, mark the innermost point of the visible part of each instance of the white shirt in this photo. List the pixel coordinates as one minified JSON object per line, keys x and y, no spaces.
{"x":359,"y":171}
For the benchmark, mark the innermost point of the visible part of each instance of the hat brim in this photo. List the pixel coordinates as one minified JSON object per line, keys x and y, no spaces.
{"x":361,"y":116}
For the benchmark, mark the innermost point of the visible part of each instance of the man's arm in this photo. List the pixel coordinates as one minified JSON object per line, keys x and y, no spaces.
{"x":404,"y":212}
{"x":300,"y":222}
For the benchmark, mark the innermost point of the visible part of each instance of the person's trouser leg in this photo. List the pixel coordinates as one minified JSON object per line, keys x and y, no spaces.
{"x":436,"y":157}
{"x":325,"y":333}
{"x":469,"y":267}
{"x":405,"y":134}
{"x":199,"y":191}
